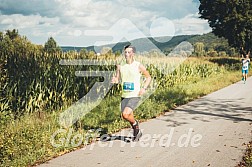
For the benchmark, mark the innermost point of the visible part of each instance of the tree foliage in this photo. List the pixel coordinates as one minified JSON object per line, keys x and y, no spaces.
{"x":13,"y":43}
{"x":199,"y":48}
{"x":51,"y":46}
{"x":12,"y":34}
{"x":229,"y":19}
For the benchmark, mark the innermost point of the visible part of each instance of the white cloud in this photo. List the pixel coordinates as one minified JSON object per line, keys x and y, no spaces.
{"x":67,"y":20}
{"x":75,"y":33}
{"x":19,"y":21}
{"x":162,"y":27}
{"x":191,"y":24}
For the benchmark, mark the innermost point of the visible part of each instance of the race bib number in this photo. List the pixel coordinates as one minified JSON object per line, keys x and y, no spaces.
{"x":128,"y":86}
{"x":245,"y":67}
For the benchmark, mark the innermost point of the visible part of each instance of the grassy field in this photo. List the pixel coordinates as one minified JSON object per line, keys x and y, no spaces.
{"x":35,"y":137}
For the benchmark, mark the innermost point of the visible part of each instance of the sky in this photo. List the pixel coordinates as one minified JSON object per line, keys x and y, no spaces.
{"x":92,"y":22}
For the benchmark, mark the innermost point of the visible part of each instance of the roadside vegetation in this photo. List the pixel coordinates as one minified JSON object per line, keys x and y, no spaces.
{"x":247,"y":158}
{"x":36,"y":88}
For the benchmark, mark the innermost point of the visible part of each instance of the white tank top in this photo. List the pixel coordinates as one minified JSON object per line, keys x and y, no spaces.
{"x":130,"y":76}
{"x":245,"y":64}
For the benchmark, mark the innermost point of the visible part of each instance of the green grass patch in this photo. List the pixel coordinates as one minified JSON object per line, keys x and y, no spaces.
{"x":247,"y":158}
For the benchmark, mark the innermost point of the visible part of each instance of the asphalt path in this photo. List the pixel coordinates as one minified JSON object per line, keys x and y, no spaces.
{"x":210,"y":131}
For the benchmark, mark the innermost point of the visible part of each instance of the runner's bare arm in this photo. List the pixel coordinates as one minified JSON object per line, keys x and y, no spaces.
{"x":146,"y":74}
{"x":115,"y":79}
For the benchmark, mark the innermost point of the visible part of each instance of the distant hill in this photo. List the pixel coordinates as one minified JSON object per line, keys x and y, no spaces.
{"x":146,"y":44}
{"x":211,"y":42}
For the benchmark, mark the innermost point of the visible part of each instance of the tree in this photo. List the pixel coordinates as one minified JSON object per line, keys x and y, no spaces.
{"x":12,"y":34}
{"x":229,"y":19}
{"x":51,"y":46}
{"x":83,"y":52}
{"x":11,"y":42}
{"x":212,"y":53}
{"x":199,"y":49}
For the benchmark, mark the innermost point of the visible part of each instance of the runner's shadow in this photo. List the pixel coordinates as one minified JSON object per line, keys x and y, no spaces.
{"x":240,"y":83}
{"x":106,"y":138}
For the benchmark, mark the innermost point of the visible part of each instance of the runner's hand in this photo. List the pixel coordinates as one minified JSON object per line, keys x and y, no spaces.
{"x":142,"y":91}
{"x":114,"y":80}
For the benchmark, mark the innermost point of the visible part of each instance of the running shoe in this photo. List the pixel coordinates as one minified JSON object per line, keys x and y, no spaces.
{"x":136,"y":132}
